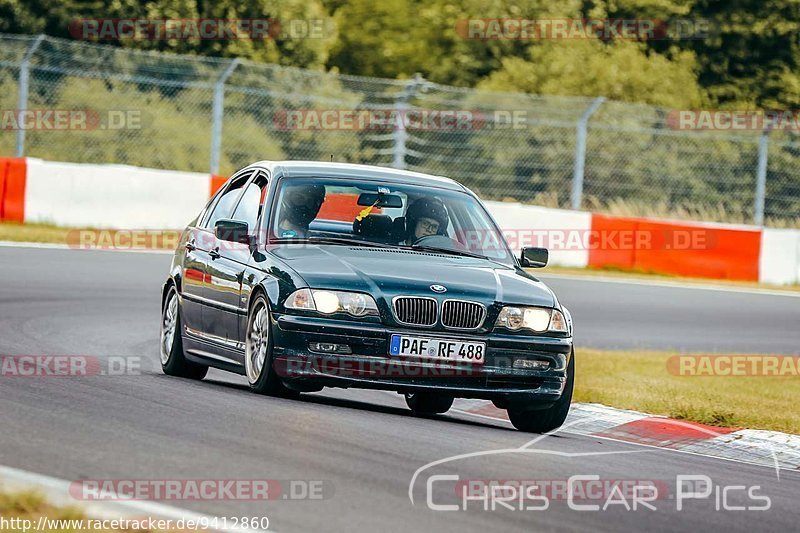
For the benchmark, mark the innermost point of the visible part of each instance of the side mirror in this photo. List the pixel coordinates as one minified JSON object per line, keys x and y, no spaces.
{"x":534,"y":257}
{"x":232,"y":231}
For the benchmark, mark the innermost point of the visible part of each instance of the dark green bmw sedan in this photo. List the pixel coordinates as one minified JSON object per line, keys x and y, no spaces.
{"x":305,"y":275}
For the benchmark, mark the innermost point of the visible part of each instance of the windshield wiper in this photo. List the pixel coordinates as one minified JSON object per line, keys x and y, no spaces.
{"x":348,"y":242}
{"x":448,"y":251}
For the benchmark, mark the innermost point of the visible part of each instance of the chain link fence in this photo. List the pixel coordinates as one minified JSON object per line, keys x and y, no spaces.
{"x":208,"y":114}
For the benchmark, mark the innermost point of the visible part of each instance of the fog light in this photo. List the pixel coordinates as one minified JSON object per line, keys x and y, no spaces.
{"x":329,"y":347}
{"x":531,"y":364}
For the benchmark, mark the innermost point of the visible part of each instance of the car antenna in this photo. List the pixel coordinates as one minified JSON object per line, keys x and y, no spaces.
{"x":331,"y":158}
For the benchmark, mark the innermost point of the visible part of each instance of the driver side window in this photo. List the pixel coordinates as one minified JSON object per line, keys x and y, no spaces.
{"x":226,"y":201}
{"x":252,"y":202}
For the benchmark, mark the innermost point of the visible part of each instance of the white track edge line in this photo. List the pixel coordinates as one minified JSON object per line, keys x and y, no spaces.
{"x":56,"y":246}
{"x":61,"y":487}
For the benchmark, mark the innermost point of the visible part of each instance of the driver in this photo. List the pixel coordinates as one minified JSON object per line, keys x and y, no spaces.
{"x":299,"y":206}
{"x":425,"y":217}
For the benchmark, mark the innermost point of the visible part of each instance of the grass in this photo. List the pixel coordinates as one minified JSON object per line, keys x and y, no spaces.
{"x":30,"y":505}
{"x":612,"y":272}
{"x":12,"y":231}
{"x":640,"y":381}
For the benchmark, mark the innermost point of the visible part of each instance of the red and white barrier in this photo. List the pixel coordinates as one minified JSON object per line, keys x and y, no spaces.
{"x":519,"y":222}
{"x":13,"y":173}
{"x":125,"y":197}
{"x":694,"y":249}
{"x":112,"y":196}
{"x":779,"y":257}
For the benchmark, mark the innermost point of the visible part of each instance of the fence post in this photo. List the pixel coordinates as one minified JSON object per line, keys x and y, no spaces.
{"x":22,"y":102}
{"x":761,"y":176}
{"x":580,"y":152}
{"x":216,"y":115}
{"x":401,"y":108}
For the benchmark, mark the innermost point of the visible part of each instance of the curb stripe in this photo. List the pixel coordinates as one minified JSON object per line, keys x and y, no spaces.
{"x":758,"y":447}
{"x":663,"y":432}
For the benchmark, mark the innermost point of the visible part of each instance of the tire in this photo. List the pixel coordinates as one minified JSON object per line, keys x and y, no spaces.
{"x":429,"y":403}
{"x":261,"y":376}
{"x":544,"y":420}
{"x":173,"y":361}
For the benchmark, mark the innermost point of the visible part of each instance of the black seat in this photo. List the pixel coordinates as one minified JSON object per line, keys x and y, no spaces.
{"x":374,"y":228}
{"x":399,"y":229}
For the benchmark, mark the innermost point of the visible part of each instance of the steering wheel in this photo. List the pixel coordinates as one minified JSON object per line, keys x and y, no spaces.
{"x":440,"y":241}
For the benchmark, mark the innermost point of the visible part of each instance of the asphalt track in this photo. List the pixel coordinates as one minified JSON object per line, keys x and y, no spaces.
{"x":364,"y":446}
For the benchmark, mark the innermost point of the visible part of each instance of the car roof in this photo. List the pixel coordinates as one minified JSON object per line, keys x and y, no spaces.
{"x":317,"y":168}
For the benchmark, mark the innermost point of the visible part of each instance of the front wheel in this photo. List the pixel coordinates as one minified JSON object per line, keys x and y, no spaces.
{"x":258,"y":352}
{"x":429,"y":403}
{"x":173,"y":362}
{"x":544,"y":420}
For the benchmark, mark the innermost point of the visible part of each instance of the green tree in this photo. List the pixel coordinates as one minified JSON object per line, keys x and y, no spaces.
{"x":398,"y":38}
{"x":623,"y":70}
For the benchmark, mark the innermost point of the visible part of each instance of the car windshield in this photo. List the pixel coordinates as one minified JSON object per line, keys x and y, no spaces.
{"x":367,"y":212}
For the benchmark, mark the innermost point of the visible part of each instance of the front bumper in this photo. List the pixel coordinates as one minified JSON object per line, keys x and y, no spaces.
{"x":370,"y":366}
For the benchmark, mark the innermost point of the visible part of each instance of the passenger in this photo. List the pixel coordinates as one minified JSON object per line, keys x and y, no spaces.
{"x":299,"y":206}
{"x":425,"y":217}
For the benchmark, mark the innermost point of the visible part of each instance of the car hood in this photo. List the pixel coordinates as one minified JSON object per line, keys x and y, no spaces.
{"x":389,"y":272}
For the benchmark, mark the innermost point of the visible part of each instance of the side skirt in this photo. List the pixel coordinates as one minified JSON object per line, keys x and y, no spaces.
{"x":213,"y":354}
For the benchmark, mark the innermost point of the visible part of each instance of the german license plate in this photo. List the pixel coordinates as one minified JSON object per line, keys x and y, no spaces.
{"x":450,"y":350}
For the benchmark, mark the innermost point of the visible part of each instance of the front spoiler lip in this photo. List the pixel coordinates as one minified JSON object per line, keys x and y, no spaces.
{"x":549,"y":388}
{"x":538,"y":394}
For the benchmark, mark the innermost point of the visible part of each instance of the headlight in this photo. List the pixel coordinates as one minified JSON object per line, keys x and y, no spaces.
{"x":329,"y":302}
{"x":534,"y":318}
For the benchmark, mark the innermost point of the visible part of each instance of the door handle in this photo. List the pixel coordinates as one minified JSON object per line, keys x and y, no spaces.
{"x":214,"y":253}
{"x":190,"y":246}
